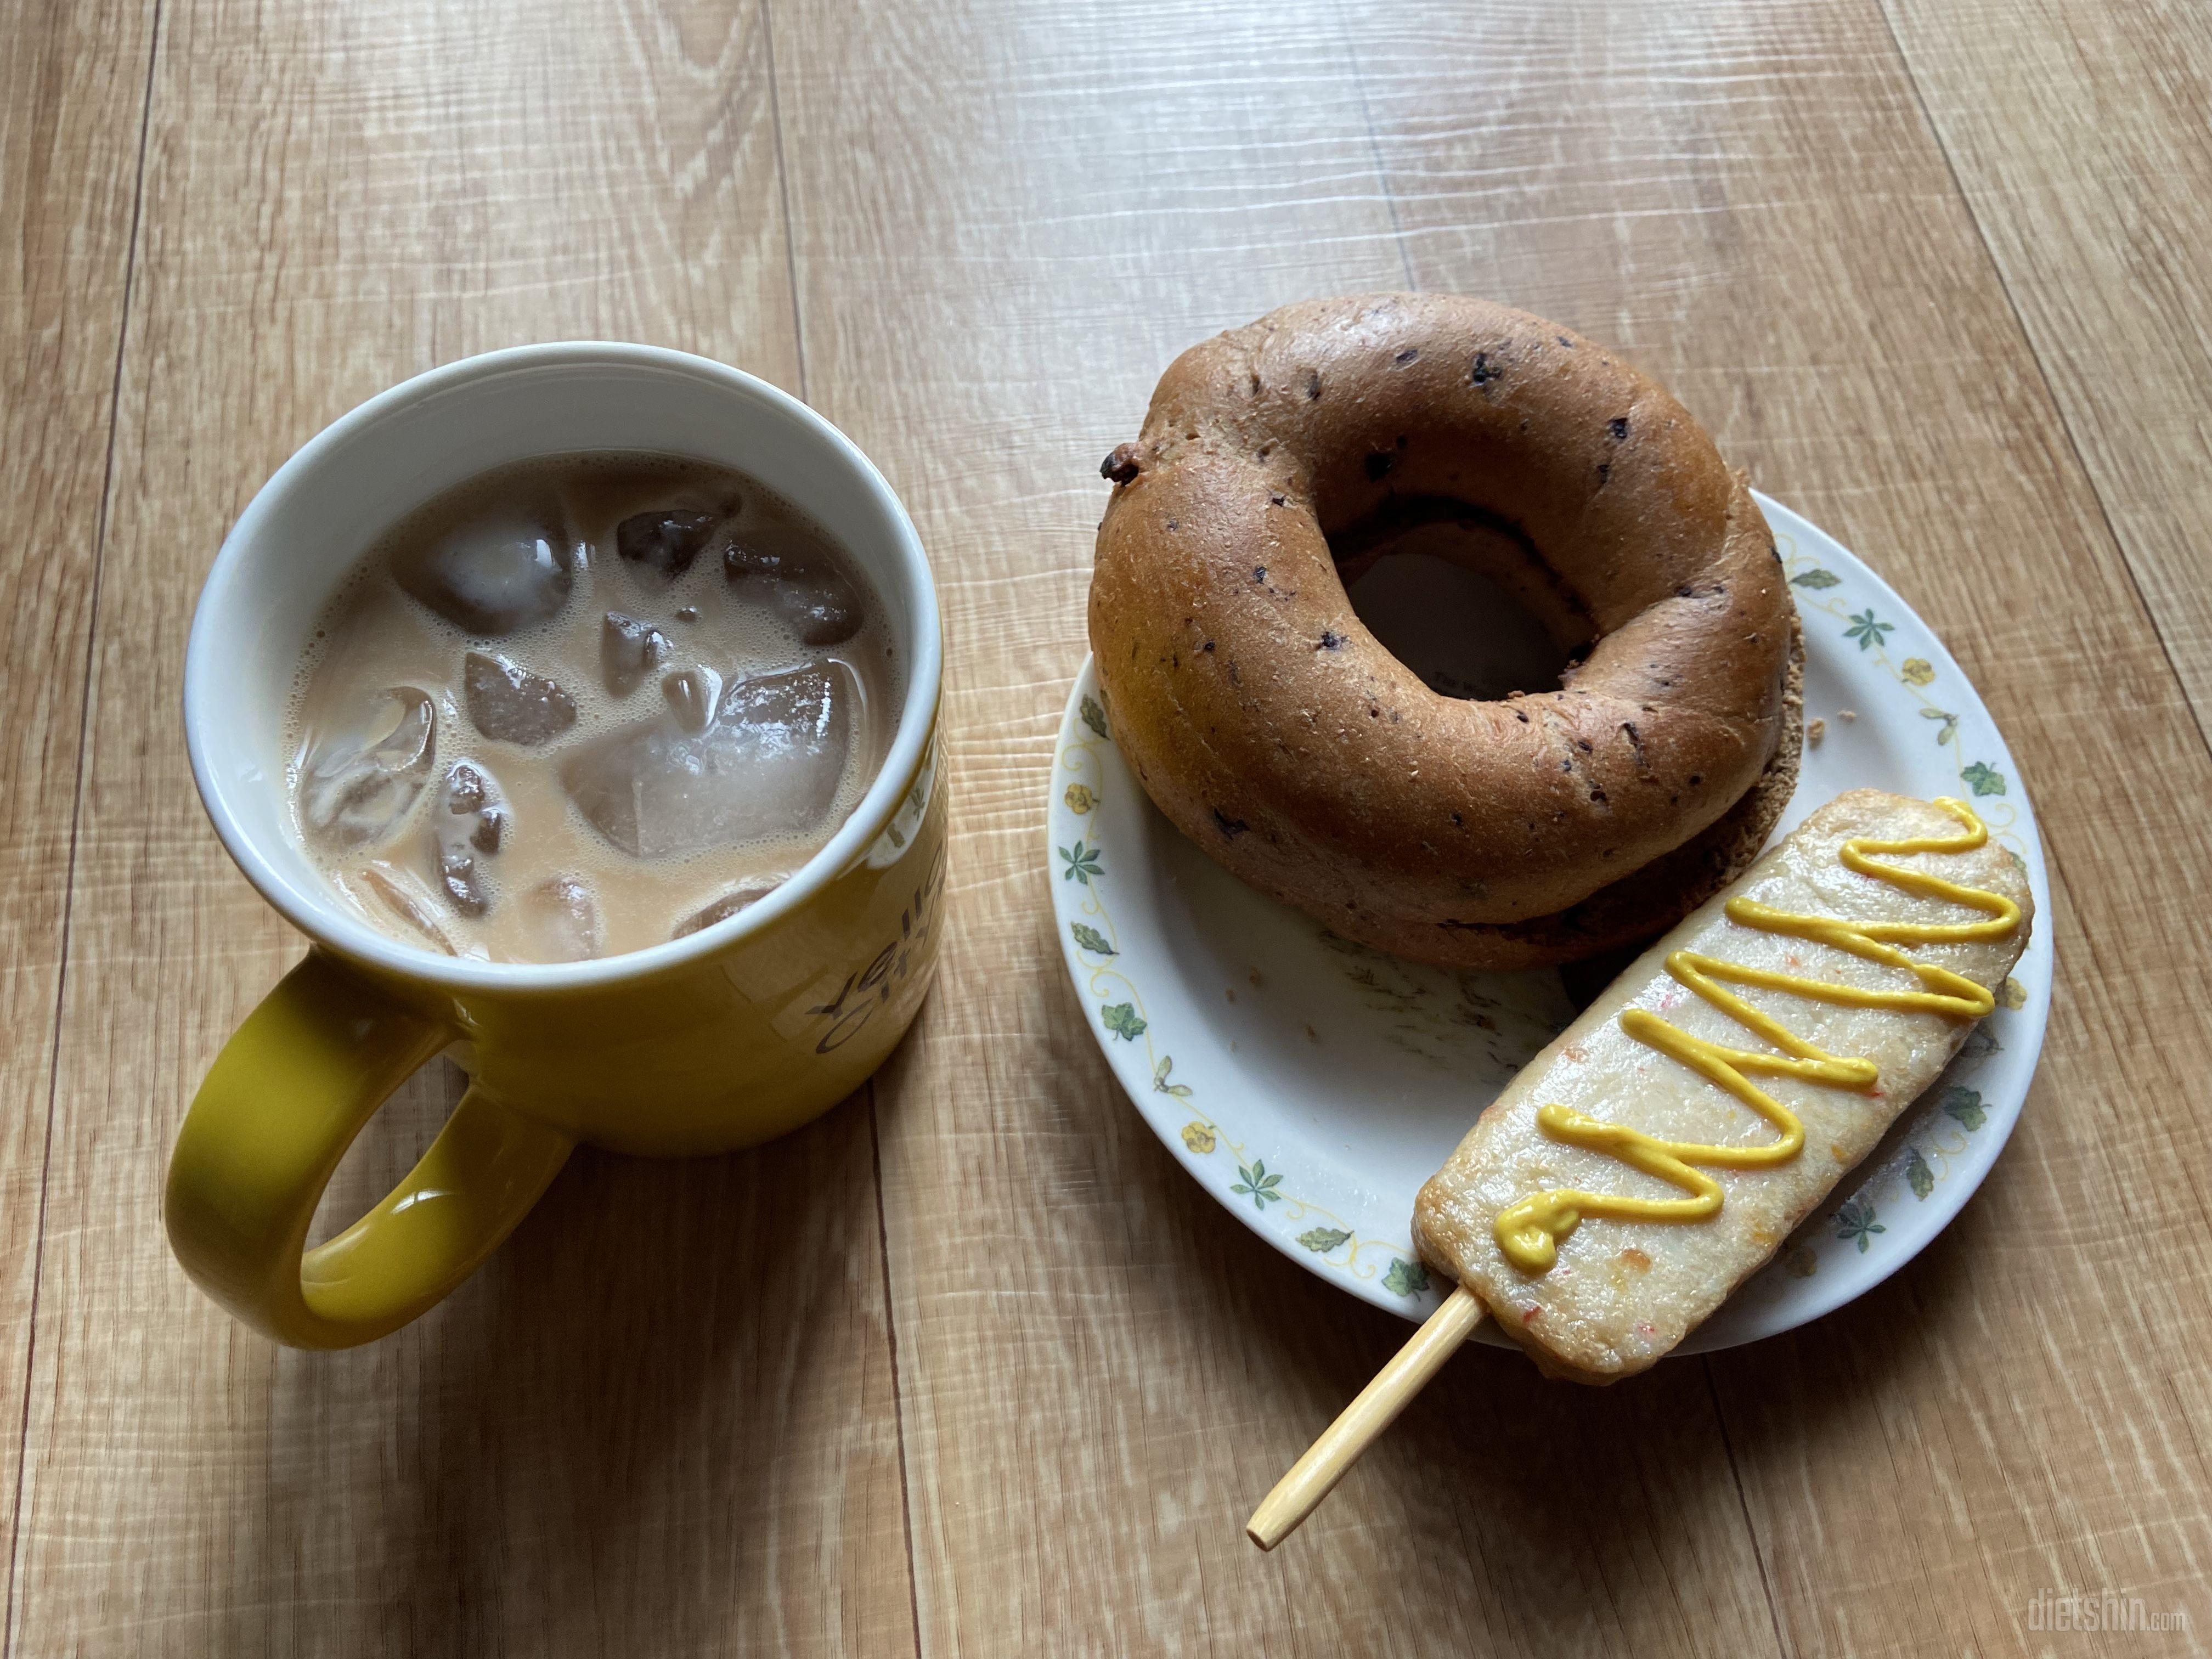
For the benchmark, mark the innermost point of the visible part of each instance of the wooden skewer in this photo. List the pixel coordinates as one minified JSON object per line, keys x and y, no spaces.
{"x":1298,"y":1493}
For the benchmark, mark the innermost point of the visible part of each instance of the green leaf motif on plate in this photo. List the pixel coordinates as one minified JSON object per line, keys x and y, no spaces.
{"x":1950,"y":725}
{"x":1866,"y":630}
{"x":1965,"y":1105}
{"x":1979,"y":1042}
{"x":1258,"y":1185}
{"x":1091,"y":940}
{"x":1815,"y":578}
{"x":1123,"y":1020}
{"x":1321,"y":1240}
{"x":1984,"y":779}
{"x":1160,"y":1084}
{"x":1855,"y":1221}
{"x":1405,"y":1278}
{"x":1082,"y":864}
{"x":1917,"y":1175}
{"x":1094,"y":716}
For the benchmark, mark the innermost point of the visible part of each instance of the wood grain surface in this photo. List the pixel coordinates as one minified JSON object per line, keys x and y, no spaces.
{"x":970,"y":1368}
{"x":72,"y":98}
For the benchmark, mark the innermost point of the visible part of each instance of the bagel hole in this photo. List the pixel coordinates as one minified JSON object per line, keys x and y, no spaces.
{"x":1465,"y":603}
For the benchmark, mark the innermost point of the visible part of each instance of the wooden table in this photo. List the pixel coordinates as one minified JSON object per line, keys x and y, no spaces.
{"x":970,"y":1367}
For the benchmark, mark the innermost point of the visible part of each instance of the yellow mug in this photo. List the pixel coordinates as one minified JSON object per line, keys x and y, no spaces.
{"x":725,"y":1038}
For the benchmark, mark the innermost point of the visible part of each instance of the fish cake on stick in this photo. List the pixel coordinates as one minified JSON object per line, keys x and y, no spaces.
{"x":1655,"y":1156}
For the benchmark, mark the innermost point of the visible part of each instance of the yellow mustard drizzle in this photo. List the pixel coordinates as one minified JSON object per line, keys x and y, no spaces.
{"x":1529,"y":1232}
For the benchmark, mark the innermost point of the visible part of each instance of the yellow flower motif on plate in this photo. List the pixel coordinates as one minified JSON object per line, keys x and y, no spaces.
{"x":1197,"y":1138}
{"x":2012,"y":993}
{"x":1917,"y":671}
{"x":1079,"y":798}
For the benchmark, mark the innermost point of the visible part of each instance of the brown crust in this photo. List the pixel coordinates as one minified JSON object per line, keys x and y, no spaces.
{"x":1277,"y":732}
{"x":1646,"y":903}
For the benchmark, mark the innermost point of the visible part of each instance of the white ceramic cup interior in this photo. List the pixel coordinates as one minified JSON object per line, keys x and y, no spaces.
{"x":329,"y":505}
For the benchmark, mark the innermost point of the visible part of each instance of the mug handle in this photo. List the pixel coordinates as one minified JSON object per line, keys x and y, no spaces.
{"x":284,"y":1099}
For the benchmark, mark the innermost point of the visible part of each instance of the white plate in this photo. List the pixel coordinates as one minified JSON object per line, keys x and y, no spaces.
{"x":1311,"y":1084}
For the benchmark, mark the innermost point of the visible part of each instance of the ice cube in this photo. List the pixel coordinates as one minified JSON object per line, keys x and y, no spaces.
{"x":747,"y":893}
{"x":491,"y":577}
{"x":467,"y":825}
{"x":560,"y":921}
{"x":357,"y":785}
{"x":691,"y":694}
{"x":509,"y":702}
{"x":743,"y":561}
{"x":666,"y":539}
{"x":816,"y":603}
{"x":406,"y":902}
{"x":769,"y":764}
{"x":629,"y":651}
{"x":821,"y":609}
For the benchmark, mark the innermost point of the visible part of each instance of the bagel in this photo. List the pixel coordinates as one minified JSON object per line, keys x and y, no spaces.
{"x":1279,"y":459}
